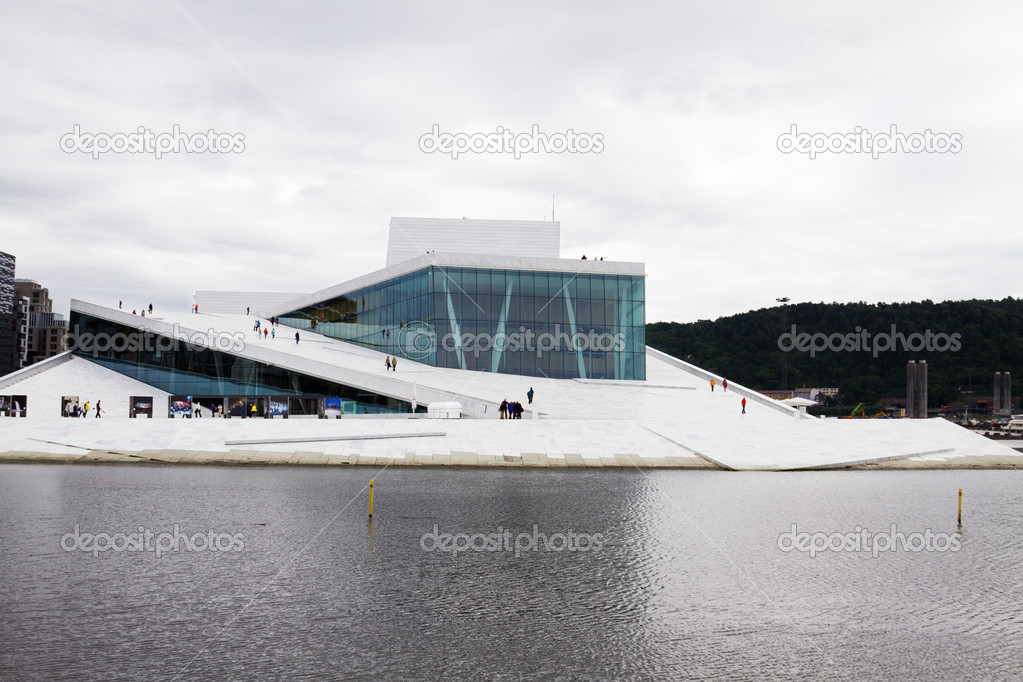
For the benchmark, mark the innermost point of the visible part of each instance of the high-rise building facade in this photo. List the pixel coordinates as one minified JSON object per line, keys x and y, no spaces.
{"x":45,"y":329}
{"x":8,"y":319}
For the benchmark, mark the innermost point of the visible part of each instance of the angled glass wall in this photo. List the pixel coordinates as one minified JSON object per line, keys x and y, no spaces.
{"x":180,"y":368}
{"x":561,"y":325}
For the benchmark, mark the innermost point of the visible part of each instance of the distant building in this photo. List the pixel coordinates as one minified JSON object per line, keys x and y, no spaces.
{"x":45,"y":329}
{"x":777,"y":394}
{"x":9,"y":356}
{"x":818,"y":394}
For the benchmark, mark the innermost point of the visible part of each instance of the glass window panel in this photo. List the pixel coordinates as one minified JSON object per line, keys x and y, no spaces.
{"x":583,"y":319}
{"x":566,"y":283}
{"x":484,"y":283}
{"x":498,"y":281}
{"x":554,"y":284}
{"x":610,"y":287}
{"x":541,"y":283}
{"x":637,"y":289}
{"x":469,"y":281}
{"x":526,"y":285}
{"x":583,"y":286}
{"x":450,"y":278}
{"x":515,"y":310}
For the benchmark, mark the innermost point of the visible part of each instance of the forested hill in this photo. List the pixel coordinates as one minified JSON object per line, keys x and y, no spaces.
{"x":968,"y":342}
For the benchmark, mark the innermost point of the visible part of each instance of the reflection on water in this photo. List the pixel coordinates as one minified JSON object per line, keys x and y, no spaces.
{"x":685,"y":580}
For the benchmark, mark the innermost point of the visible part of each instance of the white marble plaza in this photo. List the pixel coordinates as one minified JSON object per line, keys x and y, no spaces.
{"x":671,"y":419}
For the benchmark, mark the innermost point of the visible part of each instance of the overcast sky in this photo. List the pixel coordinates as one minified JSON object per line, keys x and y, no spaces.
{"x":689,"y":100}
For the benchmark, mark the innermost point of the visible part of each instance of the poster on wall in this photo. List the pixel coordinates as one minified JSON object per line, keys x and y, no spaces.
{"x":180,"y":406}
{"x":279,"y":406}
{"x":237,"y":406}
{"x":69,"y":406}
{"x":18,"y":405}
{"x":333,"y":407}
{"x":141,"y":406}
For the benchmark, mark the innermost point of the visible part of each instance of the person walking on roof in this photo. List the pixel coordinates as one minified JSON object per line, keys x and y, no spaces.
{"x":744,"y":406}
{"x":529,"y":394}
{"x":296,"y":337}
{"x":711,"y":385}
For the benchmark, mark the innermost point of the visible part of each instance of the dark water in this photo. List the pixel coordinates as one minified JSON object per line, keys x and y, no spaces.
{"x":685,"y":581}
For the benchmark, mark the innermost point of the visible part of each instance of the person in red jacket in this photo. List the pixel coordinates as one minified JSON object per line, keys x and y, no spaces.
{"x":744,"y":406}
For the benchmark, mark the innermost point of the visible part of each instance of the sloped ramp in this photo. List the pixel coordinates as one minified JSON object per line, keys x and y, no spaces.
{"x":826,"y":443}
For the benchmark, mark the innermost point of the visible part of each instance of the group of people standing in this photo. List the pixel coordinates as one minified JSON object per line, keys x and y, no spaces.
{"x":514,"y":409}
{"x":267,"y":330}
{"x":511,"y":410}
{"x":259,"y":327}
{"x":120,"y":306}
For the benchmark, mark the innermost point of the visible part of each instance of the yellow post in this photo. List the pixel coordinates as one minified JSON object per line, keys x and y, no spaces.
{"x":371,"y":498}
{"x":960,"y":506}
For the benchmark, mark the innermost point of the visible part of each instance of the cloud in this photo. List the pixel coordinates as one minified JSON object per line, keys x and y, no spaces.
{"x":332,"y":100}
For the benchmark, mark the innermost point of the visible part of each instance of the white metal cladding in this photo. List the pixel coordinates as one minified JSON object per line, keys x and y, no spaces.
{"x":411,"y":237}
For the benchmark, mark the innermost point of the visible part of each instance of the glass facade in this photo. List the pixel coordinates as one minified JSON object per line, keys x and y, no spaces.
{"x":182,"y":369}
{"x":561,"y":325}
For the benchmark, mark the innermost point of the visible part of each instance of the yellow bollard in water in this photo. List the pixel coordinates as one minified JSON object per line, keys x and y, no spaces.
{"x":960,"y":506}
{"x":371,"y":498}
